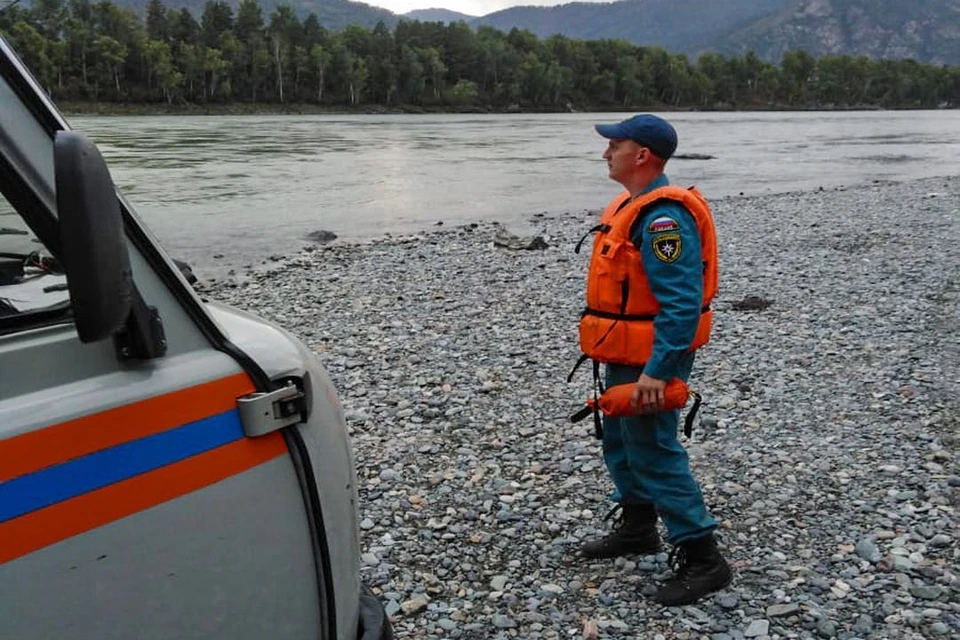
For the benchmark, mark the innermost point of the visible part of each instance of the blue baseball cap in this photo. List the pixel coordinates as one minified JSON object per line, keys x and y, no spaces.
{"x":647,"y":130}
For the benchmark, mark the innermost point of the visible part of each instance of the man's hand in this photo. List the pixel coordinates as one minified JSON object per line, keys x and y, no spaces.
{"x":648,"y":394}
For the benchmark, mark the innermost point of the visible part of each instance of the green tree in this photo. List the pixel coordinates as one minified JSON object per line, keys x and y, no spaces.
{"x":460,"y":52}
{"x":465,"y":92}
{"x":254,"y":60}
{"x":231,"y":51}
{"x":184,"y":28}
{"x":160,"y":61}
{"x":249,"y":20}
{"x":110,"y":55}
{"x":214,"y":68}
{"x":158,"y":28}
{"x":189,"y":61}
{"x":357,"y":80}
{"x":410,"y":74}
{"x":32,"y":47}
{"x":283,"y":30}
{"x":381,"y":65}
{"x":435,"y":69}
{"x":314,"y":33}
{"x":319,"y":60}
{"x":80,"y":35}
{"x":217,"y":18}
{"x":50,"y":18}
{"x":797,"y":69}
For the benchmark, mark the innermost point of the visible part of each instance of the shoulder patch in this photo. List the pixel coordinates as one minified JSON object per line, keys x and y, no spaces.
{"x":667,"y":247}
{"x":663,"y":223}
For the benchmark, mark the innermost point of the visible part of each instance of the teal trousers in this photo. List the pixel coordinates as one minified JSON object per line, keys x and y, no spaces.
{"x":648,"y":464}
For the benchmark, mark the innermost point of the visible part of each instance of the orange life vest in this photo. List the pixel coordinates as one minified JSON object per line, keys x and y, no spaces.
{"x":617,"y":324}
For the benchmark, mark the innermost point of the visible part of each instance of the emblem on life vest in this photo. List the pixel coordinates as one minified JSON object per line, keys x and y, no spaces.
{"x":666,"y":247}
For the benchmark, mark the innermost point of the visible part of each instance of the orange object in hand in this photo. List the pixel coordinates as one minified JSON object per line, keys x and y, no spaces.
{"x":618,"y":401}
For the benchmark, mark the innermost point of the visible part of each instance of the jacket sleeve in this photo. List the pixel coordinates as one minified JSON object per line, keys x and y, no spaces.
{"x":670,"y":248}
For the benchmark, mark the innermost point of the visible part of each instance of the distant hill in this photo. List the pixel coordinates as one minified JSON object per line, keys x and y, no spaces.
{"x":438,"y":15}
{"x":336,"y":14}
{"x":926,"y":30}
{"x":333,"y":14}
{"x":677,"y":25}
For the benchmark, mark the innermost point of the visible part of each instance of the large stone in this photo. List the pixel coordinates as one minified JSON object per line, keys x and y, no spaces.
{"x":415,"y":604}
{"x":321,"y":235}
{"x":518,"y":243}
{"x":692,"y":156}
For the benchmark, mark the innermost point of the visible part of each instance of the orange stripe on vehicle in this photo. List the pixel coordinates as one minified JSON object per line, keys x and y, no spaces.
{"x":48,"y":526}
{"x":67,"y":440}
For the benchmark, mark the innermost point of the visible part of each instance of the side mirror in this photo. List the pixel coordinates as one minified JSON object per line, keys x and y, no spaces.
{"x":92,"y":240}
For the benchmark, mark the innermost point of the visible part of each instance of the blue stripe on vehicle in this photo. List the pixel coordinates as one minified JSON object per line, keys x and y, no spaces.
{"x":81,"y":475}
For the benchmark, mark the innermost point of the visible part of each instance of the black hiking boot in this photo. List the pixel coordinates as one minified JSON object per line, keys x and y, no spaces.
{"x":634,"y":532}
{"x":698,"y":569}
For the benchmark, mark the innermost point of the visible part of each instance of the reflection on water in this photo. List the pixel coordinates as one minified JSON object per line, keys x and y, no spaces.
{"x":252,"y":186}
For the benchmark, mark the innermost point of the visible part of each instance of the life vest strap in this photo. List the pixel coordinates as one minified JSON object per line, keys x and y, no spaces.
{"x":580,"y":361}
{"x":688,"y":421}
{"x":597,"y":392}
{"x":582,"y":413}
{"x":602,"y":228}
{"x":593,"y":407}
{"x":587,"y":311}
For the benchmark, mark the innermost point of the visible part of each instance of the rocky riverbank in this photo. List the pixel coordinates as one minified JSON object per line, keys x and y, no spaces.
{"x":827,"y":444}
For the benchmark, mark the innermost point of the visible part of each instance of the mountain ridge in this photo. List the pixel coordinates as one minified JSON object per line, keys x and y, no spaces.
{"x":436,"y":14}
{"x":924,"y":30}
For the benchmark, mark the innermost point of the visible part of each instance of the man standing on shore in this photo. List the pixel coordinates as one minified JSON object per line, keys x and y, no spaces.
{"x":653,"y":273}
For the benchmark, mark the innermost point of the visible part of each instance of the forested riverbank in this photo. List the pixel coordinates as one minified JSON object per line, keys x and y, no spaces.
{"x":104,"y":57}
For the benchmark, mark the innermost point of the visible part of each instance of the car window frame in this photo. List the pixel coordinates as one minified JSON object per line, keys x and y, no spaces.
{"x":38,"y":218}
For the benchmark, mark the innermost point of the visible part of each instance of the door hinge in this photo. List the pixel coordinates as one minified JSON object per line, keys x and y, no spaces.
{"x":262,"y":413}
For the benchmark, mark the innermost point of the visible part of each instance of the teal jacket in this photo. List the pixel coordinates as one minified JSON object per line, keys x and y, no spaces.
{"x":676,"y":281}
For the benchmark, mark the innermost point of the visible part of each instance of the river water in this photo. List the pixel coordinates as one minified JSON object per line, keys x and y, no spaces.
{"x":226,"y":191}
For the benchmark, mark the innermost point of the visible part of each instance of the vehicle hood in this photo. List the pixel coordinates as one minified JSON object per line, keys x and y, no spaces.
{"x":276,"y":351}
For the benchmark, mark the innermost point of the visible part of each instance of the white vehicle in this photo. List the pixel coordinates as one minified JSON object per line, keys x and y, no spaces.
{"x":169,"y":467}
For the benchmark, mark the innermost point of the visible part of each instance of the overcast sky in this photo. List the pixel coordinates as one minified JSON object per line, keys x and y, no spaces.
{"x":470,"y":7}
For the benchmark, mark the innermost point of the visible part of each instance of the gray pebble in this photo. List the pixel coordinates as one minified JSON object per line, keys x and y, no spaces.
{"x":446,"y":624}
{"x":863,"y":625}
{"x":781,"y":610}
{"x":826,"y":628}
{"x":445,"y":352}
{"x":926,"y":592}
{"x":940,"y":541}
{"x":757,"y":628}
{"x":867,"y":549}
{"x":501,"y":621}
